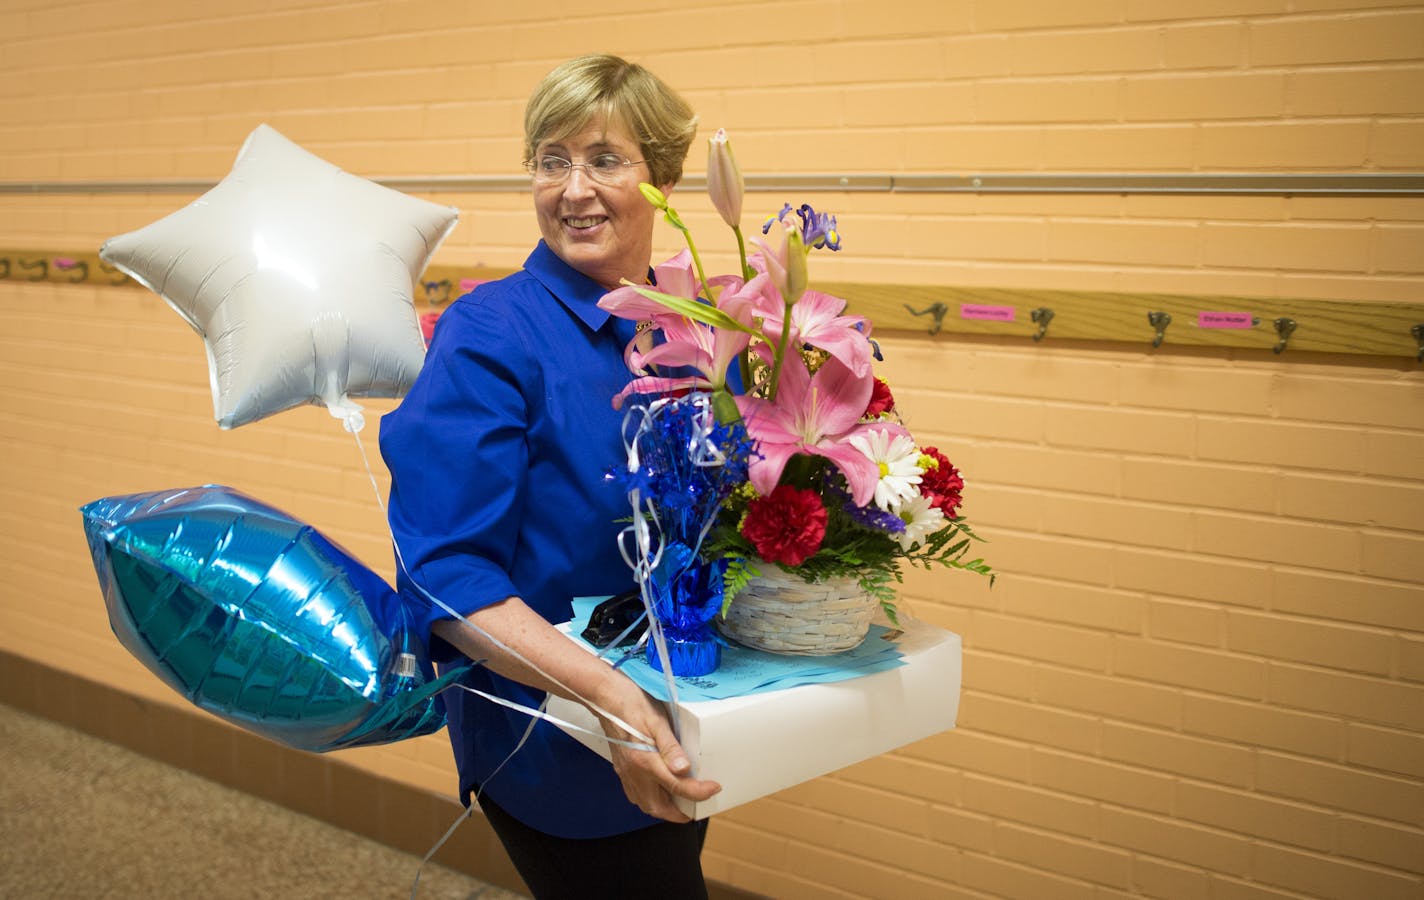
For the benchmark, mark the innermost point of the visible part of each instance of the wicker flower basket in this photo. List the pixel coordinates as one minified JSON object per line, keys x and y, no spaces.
{"x":780,"y":613}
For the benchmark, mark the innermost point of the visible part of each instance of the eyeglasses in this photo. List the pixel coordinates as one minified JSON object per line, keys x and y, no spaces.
{"x":605,"y":168}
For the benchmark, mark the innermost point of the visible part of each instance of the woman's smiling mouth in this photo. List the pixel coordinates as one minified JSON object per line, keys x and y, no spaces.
{"x":581,"y":222}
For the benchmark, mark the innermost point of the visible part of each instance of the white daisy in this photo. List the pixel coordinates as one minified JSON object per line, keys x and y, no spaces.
{"x":898,"y":459}
{"x":921,"y":519}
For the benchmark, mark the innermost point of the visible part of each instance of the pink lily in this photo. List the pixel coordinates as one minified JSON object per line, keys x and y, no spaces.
{"x":672,"y":277}
{"x":817,"y":415}
{"x":657,"y":384}
{"x":631,"y":301}
{"x":686,"y":341}
{"x":816,"y":320}
{"x":725,"y":184}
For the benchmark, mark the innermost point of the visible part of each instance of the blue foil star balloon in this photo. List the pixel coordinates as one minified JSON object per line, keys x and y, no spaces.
{"x":262,"y":621}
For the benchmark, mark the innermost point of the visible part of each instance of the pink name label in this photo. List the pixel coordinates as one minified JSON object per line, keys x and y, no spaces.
{"x":993,"y":313}
{"x":1225,"y":320}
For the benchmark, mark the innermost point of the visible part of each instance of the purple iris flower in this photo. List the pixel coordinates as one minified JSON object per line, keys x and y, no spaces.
{"x":766,"y":226}
{"x":874,"y":344}
{"x":817,"y":229}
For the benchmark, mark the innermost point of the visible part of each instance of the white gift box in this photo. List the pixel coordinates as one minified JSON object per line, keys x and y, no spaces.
{"x":759,"y":744}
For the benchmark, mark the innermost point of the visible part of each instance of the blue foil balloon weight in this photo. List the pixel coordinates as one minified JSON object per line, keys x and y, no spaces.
{"x":686,"y":595}
{"x":262,"y":621}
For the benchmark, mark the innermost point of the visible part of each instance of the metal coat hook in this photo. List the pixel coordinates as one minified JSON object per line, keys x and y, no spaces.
{"x":41,"y":264}
{"x":1284,"y":327}
{"x":437,"y":292}
{"x":110,"y":270}
{"x":1159,"y":320}
{"x":1418,"y":332}
{"x":1043,"y":315}
{"x":79,"y":267}
{"x":934,"y":309}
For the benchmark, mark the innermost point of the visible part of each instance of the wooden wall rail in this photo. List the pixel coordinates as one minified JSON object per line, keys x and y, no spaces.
{"x":64,"y":266}
{"x":1285,"y":326}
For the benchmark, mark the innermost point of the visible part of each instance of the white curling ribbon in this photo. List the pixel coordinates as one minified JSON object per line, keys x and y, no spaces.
{"x":643,"y":573}
{"x":540,"y":714}
{"x":643,"y":559}
{"x":703,"y":452}
{"x":444,"y":607}
{"x":354,"y":424}
{"x":649,"y":743}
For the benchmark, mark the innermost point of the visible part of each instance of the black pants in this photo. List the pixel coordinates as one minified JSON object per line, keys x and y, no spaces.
{"x":661,"y":862}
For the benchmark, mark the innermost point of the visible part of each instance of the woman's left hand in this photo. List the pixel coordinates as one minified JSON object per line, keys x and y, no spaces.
{"x":652,"y":780}
{"x":549,"y":661}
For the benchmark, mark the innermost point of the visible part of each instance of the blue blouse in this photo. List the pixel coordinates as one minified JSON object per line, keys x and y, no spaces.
{"x":497,"y":458}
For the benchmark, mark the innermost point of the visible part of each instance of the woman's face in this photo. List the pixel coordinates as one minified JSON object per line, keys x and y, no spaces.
{"x":604,"y":231}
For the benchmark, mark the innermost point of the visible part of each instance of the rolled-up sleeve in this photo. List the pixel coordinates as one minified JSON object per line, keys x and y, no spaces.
{"x":458,"y":456}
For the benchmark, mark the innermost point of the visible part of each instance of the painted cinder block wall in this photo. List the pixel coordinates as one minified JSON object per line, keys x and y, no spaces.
{"x":1201,"y":674}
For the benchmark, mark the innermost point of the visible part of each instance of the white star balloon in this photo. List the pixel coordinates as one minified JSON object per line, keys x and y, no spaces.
{"x":298,"y":276}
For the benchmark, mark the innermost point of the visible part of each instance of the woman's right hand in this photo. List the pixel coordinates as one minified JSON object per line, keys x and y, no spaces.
{"x":651,"y":779}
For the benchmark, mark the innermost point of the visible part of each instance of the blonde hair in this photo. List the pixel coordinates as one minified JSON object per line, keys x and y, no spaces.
{"x":572,"y":94}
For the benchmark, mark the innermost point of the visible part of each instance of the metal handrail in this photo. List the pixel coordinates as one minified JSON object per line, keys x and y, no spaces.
{"x":1229,"y":183}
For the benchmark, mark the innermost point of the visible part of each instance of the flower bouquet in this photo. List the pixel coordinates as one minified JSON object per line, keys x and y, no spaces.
{"x":794,"y":476}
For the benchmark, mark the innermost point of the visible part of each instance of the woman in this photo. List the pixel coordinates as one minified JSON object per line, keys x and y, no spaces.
{"x":500,"y":508}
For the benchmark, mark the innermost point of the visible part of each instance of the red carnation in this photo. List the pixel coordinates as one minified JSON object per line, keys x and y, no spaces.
{"x":880,"y":400}
{"x":941,"y":485}
{"x":786,"y":526}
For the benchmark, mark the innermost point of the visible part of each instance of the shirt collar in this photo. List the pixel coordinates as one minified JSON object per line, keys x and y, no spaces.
{"x":573,"y":289}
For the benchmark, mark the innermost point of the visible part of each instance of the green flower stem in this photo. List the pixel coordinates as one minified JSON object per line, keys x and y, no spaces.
{"x":659,"y":201}
{"x":747,"y":272}
{"x":743,"y":361}
{"x":780,"y":353}
{"x":697,"y":262}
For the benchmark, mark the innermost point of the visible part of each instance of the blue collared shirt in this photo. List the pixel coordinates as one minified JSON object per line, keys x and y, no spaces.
{"x":497,"y":458}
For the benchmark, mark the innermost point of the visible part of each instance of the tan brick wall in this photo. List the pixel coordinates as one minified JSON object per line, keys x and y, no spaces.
{"x":1202,"y":672}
